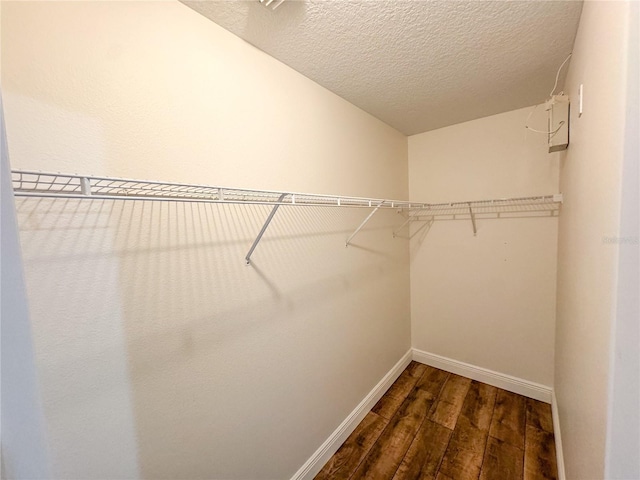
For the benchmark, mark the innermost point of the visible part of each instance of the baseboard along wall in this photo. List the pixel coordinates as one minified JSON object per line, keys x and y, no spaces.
{"x":557,"y":437}
{"x":506,"y":382}
{"x":490,"y":377}
{"x":337,"y":438}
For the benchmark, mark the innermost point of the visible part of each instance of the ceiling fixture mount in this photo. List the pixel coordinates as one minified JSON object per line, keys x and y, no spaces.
{"x":271,"y":4}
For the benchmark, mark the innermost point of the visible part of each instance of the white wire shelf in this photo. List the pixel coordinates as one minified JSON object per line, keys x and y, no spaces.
{"x":57,"y":185}
{"x":542,"y":203}
{"x":480,"y":209}
{"x":28,"y":183}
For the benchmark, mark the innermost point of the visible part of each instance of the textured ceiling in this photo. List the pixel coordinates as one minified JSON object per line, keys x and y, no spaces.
{"x":416,"y":65}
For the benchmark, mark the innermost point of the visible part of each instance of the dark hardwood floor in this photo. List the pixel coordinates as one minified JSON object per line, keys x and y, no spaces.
{"x":434,"y":425}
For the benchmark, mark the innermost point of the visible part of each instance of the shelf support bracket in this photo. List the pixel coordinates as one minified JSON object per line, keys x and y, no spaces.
{"x":473,"y":220}
{"x":85,"y":186}
{"x":264,"y":228}
{"x":364,"y":223}
{"x":396,"y":231}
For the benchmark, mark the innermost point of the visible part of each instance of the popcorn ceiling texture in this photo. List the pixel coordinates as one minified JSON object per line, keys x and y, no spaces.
{"x":415,"y":65}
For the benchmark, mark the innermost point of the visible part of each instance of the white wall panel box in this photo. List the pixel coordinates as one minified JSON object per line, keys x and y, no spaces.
{"x":558,"y":108}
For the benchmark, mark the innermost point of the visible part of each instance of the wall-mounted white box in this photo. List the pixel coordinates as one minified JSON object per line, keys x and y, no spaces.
{"x":558,"y":136}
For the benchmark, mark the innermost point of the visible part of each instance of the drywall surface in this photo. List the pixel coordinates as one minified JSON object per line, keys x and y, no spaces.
{"x":589,"y":230}
{"x":487,"y":300}
{"x":155,"y":344}
{"x":622,"y":457}
{"x":24,"y":453}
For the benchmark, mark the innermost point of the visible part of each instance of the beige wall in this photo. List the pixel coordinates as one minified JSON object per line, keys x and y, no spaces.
{"x":487,"y":300}
{"x":588,"y":228}
{"x":623,"y":430}
{"x":160,"y":354}
{"x":24,"y":453}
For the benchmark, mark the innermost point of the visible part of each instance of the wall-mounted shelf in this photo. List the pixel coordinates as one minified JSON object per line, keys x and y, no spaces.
{"x":496,"y":208}
{"x":58,"y":185}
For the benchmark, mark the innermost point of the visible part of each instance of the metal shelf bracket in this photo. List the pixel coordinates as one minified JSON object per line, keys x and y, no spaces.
{"x":473,"y":220}
{"x":264,"y":229}
{"x":85,"y":186}
{"x":366,"y":220}
{"x":397,"y":230}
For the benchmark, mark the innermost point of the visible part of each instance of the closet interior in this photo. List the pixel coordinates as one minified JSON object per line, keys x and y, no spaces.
{"x":306,"y":239}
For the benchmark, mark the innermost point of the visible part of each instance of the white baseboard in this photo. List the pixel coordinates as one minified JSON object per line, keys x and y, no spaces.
{"x":500,"y":380}
{"x":337,"y":438}
{"x":557,"y":438}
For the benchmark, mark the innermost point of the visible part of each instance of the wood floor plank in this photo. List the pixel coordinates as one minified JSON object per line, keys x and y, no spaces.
{"x":425,"y":453}
{"x":463,"y":458}
{"x":416,"y":369}
{"x":442,"y":476}
{"x":465,"y":452}
{"x":345,"y":461}
{"x":388,"y":451}
{"x":433,"y":425}
{"x":502,"y":461}
{"x":479,"y":404}
{"x":432,"y":381}
{"x":448,"y":405}
{"x":539,"y":455}
{"x":508,"y":423}
{"x":388,"y":405}
{"x":539,"y":415}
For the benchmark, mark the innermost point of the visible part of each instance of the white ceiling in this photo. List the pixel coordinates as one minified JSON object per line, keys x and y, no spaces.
{"x":416,"y":65}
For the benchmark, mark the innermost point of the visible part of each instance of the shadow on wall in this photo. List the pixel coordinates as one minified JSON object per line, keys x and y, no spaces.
{"x":209,"y":346}
{"x":183,"y":264}
{"x":423,"y":223}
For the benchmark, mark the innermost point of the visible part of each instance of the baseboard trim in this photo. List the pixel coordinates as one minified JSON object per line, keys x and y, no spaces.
{"x":557,"y":438}
{"x":497,"y":379}
{"x":337,"y":438}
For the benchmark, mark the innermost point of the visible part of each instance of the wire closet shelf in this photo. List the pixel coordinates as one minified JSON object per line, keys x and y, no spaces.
{"x":59,"y":185}
{"x":496,"y":206}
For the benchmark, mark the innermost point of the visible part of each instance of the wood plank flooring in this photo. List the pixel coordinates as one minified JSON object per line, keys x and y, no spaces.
{"x":434,"y":425}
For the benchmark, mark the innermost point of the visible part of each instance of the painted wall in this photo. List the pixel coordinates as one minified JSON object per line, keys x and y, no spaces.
{"x":589,"y":229}
{"x":622,"y":458}
{"x":487,"y":300}
{"x":24,"y":452}
{"x":154,"y":343}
